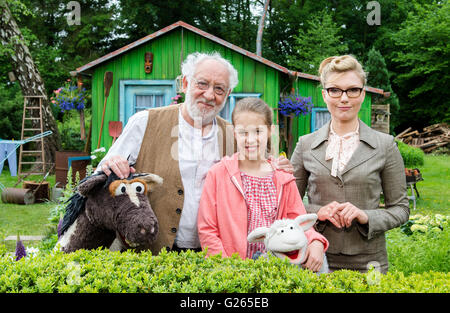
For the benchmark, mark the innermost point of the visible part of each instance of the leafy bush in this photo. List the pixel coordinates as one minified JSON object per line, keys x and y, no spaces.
{"x":69,"y":130}
{"x":412,"y":156}
{"x":11,"y":111}
{"x":419,"y":252}
{"x":105,"y":271}
{"x":424,"y":223}
{"x":57,"y":212}
{"x":97,"y":155}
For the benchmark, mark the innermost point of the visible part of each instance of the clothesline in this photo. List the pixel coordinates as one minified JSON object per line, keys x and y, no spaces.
{"x":17,"y":143}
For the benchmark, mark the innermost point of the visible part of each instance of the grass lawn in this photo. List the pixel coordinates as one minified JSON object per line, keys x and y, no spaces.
{"x":23,"y":219}
{"x":434,"y":190}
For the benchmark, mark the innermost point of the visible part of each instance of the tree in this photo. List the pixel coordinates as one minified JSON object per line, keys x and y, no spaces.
{"x":378,"y":75}
{"x":320,"y":39}
{"x":261,"y":28}
{"x":422,"y":55}
{"x":231,"y":20}
{"x":27,"y":73}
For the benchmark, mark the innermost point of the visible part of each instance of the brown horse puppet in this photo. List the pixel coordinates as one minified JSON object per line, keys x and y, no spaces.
{"x":106,"y":208}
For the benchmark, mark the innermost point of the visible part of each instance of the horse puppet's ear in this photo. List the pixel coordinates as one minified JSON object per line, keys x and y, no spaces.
{"x":258,"y":234}
{"x":89,"y":183}
{"x":151,"y":180}
{"x":306,"y":221}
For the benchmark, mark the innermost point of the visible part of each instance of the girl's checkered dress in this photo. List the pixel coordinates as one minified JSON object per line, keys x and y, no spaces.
{"x":260,"y":196}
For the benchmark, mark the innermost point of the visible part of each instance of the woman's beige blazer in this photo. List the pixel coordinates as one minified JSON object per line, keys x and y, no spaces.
{"x":376,"y":166}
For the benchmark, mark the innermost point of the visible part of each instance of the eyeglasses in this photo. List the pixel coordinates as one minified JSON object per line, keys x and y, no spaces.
{"x":334,"y":92}
{"x":204,"y":85}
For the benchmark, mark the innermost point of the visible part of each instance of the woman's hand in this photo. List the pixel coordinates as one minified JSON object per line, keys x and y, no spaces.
{"x":325,"y":213}
{"x":282,"y":163}
{"x":347,"y":212}
{"x":314,"y":256}
{"x":118,"y":165}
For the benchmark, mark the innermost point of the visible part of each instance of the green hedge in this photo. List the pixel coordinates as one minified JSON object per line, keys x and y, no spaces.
{"x":412,"y":156}
{"x":105,"y":271}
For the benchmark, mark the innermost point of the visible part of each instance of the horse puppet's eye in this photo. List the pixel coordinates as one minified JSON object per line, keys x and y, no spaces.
{"x":120,"y":190}
{"x":138,"y":186}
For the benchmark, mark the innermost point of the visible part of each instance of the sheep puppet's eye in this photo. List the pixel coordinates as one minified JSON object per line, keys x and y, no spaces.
{"x":138,"y":186}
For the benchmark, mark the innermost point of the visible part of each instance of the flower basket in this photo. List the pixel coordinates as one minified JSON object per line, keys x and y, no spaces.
{"x":70,"y":97}
{"x":295,"y":104}
{"x":290,"y":106}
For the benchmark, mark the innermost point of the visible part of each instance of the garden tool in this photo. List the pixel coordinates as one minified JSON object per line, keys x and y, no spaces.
{"x":43,"y":179}
{"x":115,"y":129}
{"x":107,"y":82}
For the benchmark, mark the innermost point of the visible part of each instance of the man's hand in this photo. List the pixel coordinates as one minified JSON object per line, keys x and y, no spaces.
{"x":118,"y":165}
{"x":314,"y":256}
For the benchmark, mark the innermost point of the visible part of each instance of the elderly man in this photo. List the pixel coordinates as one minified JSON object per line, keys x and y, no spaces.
{"x":180,"y":143}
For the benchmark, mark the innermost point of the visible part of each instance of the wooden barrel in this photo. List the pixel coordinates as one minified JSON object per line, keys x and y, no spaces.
{"x":43,"y":190}
{"x":18,"y":196}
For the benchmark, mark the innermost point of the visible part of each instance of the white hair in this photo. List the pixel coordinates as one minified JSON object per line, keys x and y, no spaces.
{"x":192,"y":60}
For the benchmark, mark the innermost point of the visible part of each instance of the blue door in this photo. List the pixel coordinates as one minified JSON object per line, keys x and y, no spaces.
{"x":138,"y":95}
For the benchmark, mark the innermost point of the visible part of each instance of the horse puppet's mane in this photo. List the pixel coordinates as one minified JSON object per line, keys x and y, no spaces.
{"x":77,"y":202}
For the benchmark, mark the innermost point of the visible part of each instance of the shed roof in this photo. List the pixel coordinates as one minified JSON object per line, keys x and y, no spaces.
{"x":200,"y":32}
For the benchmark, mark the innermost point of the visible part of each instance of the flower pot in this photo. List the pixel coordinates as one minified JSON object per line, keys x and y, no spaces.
{"x":62,"y":166}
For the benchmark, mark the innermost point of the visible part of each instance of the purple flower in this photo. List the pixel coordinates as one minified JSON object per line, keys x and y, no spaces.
{"x":295,"y":104}
{"x":20,"y":249}
{"x":59,"y":227}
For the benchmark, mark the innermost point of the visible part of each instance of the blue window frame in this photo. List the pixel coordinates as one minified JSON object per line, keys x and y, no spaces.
{"x":231,"y":103}
{"x":319,"y":117}
{"x":138,"y":95}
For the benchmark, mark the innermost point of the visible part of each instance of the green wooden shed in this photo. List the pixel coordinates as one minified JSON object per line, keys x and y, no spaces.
{"x":134,"y":89}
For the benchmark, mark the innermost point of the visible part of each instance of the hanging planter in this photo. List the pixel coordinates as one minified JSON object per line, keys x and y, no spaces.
{"x":291,"y":106}
{"x":70,"y":97}
{"x":294,"y":104}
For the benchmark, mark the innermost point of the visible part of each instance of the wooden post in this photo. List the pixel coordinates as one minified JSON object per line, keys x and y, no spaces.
{"x":82,"y":124}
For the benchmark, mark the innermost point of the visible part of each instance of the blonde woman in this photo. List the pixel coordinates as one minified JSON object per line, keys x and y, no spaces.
{"x":345,"y":165}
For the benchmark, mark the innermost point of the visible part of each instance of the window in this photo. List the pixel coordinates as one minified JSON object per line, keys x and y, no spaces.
{"x":138,"y":95}
{"x":231,"y":103}
{"x":143,"y":102}
{"x":319,"y":117}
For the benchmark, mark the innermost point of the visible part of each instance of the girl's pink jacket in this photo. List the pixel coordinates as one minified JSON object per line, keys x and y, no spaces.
{"x":222,"y":214}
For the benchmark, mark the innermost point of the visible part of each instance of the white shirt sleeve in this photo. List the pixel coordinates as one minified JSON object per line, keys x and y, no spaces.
{"x":128,"y":144}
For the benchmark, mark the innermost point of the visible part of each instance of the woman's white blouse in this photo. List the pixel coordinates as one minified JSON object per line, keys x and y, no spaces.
{"x":341,"y":148}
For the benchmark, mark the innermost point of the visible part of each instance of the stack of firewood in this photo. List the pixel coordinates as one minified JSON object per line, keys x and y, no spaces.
{"x":432,"y":137}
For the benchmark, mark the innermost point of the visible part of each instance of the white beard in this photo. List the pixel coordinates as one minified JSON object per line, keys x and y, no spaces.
{"x":204,"y":117}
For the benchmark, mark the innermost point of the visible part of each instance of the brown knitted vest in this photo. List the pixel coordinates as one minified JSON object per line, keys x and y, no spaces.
{"x":159,"y":155}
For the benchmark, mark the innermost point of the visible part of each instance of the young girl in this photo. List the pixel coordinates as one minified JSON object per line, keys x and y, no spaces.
{"x":244,"y":191}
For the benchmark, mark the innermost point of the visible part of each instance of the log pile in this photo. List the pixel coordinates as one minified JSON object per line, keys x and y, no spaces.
{"x":432,"y":137}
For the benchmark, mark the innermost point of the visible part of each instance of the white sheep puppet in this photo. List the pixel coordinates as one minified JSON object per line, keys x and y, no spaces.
{"x":286,"y":238}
